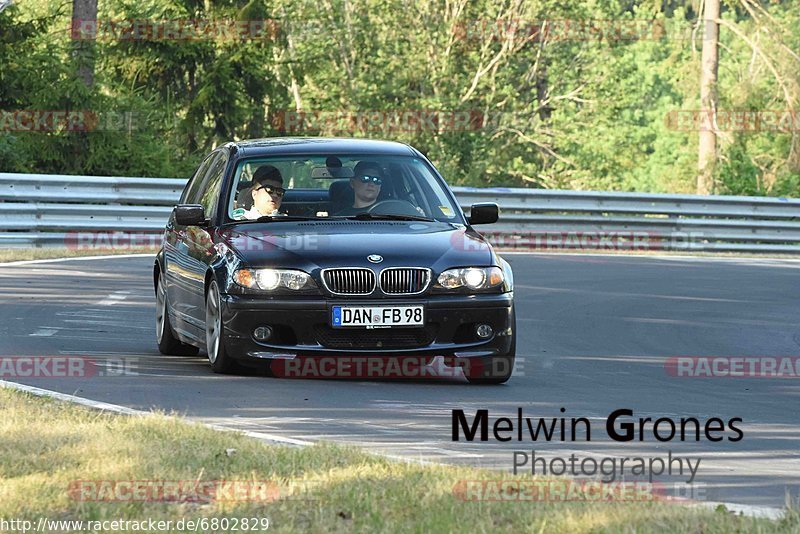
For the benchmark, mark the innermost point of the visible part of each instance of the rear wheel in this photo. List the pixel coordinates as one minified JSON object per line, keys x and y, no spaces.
{"x":165,"y":337}
{"x":218,"y":356}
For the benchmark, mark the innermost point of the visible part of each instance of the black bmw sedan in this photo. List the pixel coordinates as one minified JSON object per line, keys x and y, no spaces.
{"x":286,"y":250}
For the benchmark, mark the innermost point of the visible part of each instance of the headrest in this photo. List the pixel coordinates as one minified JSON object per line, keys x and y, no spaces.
{"x":341,"y":193}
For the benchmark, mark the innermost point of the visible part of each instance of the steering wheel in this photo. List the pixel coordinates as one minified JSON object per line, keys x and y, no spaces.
{"x":393,"y":207}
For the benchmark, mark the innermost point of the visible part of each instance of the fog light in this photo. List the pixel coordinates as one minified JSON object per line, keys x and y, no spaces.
{"x":484,"y":331}
{"x":262,"y":333}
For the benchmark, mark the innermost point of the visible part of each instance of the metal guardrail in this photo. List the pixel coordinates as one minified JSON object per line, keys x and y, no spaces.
{"x":49,"y":210}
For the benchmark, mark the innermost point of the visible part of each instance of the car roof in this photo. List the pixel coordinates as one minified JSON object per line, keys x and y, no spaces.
{"x":279,"y":146}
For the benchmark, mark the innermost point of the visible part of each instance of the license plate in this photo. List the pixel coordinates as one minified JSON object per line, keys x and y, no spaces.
{"x":377,"y":316}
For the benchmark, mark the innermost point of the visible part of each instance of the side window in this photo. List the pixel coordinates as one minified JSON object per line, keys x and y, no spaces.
{"x":213,"y":184}
{"x":190,"y":193}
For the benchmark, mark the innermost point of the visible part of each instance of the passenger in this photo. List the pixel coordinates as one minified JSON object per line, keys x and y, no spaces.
{"x":267,"y":192}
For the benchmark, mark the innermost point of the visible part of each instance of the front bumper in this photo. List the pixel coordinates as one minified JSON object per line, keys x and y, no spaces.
{"x":302,"y":328}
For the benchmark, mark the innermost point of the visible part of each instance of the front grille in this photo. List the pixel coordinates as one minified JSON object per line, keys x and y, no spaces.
{"x":349,"y":281}
{"x":404,"y":280}
{"x":377,"y":338}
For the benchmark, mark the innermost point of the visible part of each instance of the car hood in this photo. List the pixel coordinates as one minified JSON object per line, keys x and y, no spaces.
{"x":317,"y":245}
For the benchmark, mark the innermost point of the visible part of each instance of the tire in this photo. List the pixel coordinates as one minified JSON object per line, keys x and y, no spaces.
{"x":165,"y":337}
{"x":218,"y":356}
{"x":494,"y":369}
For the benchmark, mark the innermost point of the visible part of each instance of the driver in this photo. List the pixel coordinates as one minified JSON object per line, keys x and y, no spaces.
{"x":366,"y":183}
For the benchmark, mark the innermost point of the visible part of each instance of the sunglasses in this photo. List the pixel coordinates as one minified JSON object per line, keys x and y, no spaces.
{"x":273,"y":191}
{"x":370,"y":179}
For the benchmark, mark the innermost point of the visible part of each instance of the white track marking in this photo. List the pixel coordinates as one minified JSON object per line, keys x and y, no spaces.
{"x":765,"y":512}
{"x":102,"y":353}
{"x":76,"y":258}
{"x":124,"y":410}
{"x":45,"y":332}
{"x":96,"y":405}
{"x":96,"y":322}
{"x":114,"y":298}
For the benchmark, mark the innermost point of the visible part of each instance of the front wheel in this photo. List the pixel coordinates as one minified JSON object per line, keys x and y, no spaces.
{"x":218,"y":356}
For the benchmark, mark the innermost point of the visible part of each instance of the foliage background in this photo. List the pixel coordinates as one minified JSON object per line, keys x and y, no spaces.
{"x":575,"y":113}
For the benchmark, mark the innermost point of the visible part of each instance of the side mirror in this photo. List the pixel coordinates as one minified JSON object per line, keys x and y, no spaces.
{"x":190,"y":215}
{"x":487,"y":213}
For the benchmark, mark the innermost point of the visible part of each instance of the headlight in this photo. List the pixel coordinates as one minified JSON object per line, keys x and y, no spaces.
{"x":478,"y":278}
{"x":272,"y":279}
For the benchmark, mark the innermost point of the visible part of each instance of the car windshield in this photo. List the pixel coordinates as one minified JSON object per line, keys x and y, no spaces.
{"x":357,"y":187}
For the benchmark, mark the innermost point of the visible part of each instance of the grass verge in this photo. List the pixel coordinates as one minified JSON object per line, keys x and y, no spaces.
{"x":48,"y":446}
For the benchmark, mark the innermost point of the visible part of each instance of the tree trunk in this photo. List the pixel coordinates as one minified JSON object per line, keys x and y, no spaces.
{"x":707,"y":156}
{"x":83,"y":11}
{"x":543,"y":94}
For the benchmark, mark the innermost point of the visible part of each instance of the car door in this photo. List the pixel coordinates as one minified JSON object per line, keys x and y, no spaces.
{"x":183,"y":257}
{"x":176,"y":252}
{"x":199,"y":240}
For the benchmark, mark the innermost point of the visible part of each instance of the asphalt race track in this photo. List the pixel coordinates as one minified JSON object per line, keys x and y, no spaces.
{"x":594,"y":335}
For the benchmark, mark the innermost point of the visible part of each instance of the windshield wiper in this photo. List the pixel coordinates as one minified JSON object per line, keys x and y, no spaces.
{"x":367,"y":216}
